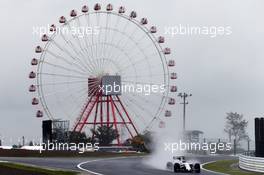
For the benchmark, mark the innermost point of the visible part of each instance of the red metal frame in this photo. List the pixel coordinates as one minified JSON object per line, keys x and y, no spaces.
{"x":116,"y":115}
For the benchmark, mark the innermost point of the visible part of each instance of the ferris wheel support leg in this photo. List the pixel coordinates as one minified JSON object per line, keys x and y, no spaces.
{"x":101,"y":111}
{"x":123,"y":107}
{"x":107,"y":108}
{"x":84,"y":109}
{"x":89,"y":112}
{"x":131,"y":135}
{"x":95,"y":117}
{"x":114,"y":117}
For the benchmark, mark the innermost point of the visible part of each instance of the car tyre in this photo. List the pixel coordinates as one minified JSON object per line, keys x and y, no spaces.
{"x":177,"y":168}
{"x":197,"y":168}
{"x":169,"y":165}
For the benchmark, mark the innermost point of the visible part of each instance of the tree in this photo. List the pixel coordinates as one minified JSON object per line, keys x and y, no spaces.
{"x":138,"y":143}
{"x":105,"y":134}
{"x":142,"y":142}
{"x":77,"y":137}
{"x":236,"y":127}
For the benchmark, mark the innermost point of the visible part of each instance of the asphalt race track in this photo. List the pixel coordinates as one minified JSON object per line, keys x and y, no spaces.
{"x":111,"y":166}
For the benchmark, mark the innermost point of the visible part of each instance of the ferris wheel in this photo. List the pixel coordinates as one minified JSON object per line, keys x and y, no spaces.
{"x":86,"y":47}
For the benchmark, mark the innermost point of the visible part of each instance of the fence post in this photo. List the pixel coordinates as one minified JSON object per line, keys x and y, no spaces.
{"x":234,"y":146}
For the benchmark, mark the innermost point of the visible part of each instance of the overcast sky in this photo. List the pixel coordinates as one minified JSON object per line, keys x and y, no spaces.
{"x":224,"y":73}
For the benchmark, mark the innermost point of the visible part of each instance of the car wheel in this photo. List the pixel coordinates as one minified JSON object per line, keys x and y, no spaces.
{"x":197,"y":168}
{"x":169,"y":165}
{"x":177,"y":168}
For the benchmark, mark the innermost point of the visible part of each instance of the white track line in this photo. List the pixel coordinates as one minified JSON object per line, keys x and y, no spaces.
{"x":97,"y":160}
{"x":210,"y":170}
{"x":89,"y":171}
{"x":116,"y":158}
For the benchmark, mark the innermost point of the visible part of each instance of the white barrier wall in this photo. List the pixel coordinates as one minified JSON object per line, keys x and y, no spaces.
{"x":251,"y":163}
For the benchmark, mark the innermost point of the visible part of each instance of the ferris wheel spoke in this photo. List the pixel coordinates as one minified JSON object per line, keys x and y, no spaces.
{"x":140,"y":62}
{"x":132,"y":48}
{"x":130,"y":59}
{"x":146,"y":101}
{"x":72,"y":107}
{"x":113,"y":66}
{"x":83,"y":48}
{"x":76,"y":38}
{"x":136,"y":102}
{"x":64,"y":60}
{"x":126,"y":39}
{"x":136,"y":62}
{"x":136,"y":46}
{"x":130,"y":38}
{"x":150,"y":125}
{"x":77,"y":108}
{"x":110,"y":55}
{"x":156,"y":117}
{"x":60,"y":83}
{"x":62,"y":91}
{"x":87,"y":41}
{"x":146,"y":55}
{"x":62,"y":67}
{"x":142,"y":70}
{"x":138,"y":110}
{"x":134,"y":110}
{"x":122,"y":31}
{"x":92,"y":51}
{"x":72,"y":46}
{"x":142,"y":37}
{"x":97,"y":40}
{"x":105,"y":38}
{"x":116,"y":63}
{"x":63,"y":75}
{"x":109,"y":52}
{"x":81,"y":93}
{"x":99,"y":45}
{"x":139,"y":52}
{"x":113,"y":34}
{"x":114,"y":55}
{"x":140,"y":83}
{"x":88,"y":52}
{"x":82,"y":102}
{"x":155,"y":75}
{"x":74,"y":58}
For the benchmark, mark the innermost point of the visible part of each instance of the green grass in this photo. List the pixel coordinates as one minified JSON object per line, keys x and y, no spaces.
{"x":36,"y":169}
{"x":225,"y":166}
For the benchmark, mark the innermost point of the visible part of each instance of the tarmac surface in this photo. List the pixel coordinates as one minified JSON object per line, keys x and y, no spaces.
{"x":109,"y":166}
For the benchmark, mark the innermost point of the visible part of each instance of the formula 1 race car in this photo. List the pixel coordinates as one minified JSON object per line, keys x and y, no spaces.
{"x":179,"y":164}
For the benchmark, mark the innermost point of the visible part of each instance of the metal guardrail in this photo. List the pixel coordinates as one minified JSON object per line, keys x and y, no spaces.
{"x":251,"y":163}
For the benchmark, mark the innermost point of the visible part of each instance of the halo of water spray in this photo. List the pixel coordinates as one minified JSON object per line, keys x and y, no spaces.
{"x":159,"y":155}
